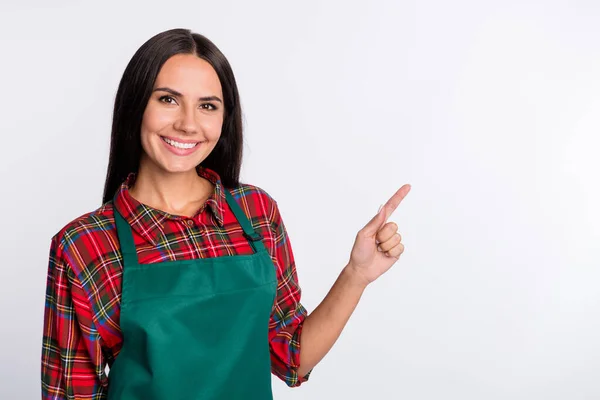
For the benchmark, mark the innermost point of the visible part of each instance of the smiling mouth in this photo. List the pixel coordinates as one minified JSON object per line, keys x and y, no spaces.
{"x":179,"y":145}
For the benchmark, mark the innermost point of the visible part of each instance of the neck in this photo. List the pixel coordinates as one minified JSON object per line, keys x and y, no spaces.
{"x":175,"y":193}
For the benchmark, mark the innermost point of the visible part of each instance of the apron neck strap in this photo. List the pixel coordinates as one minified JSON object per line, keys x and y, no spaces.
{"x":128,"y":246}
{"x":125,"y":239}
{"x":253,"y":237}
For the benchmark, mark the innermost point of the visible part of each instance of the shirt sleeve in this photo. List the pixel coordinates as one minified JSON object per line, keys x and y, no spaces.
{"x":72,"y":362}
{"x":288,"y":313}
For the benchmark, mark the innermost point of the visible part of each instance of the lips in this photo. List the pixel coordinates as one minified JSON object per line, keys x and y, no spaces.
{"x":179,"y":144}
{"x":180,"y":147}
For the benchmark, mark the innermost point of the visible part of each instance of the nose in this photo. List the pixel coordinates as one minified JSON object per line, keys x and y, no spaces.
{"x":186,"y":121}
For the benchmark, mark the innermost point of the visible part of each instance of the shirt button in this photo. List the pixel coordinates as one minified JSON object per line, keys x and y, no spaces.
{"x":190,"y":222}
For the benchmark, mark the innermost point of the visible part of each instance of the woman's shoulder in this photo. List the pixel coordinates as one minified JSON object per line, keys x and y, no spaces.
{"x":247,"y":190}
{"x":86,"y":226}
{"x":259,"y":201}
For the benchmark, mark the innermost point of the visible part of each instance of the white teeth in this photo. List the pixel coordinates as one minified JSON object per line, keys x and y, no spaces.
{"x":179,"y":145}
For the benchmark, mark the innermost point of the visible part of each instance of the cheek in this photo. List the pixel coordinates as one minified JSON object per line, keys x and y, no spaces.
{"x":212,"y":127}
{"x":154,"y":120}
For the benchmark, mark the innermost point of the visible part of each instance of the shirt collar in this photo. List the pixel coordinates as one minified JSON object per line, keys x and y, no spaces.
{"x":148,"y":222}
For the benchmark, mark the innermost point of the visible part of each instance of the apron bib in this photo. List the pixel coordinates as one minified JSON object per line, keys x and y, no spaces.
{"x":195,"y":329}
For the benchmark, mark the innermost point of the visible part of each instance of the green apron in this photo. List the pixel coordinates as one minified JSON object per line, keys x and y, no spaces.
{"x":195,"y":329}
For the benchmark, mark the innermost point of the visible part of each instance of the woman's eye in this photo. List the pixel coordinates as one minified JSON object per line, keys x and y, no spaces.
{"x":167,"y":99}
{"x":208,"y":106}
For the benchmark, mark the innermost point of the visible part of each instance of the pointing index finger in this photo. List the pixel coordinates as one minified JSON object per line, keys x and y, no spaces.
{"x":395,"y":200}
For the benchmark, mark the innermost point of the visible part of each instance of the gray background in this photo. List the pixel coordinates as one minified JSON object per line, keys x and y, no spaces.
{"x":489,"y":109}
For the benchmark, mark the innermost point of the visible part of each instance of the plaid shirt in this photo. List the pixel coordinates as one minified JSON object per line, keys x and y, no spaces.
{"x":83,"y":295}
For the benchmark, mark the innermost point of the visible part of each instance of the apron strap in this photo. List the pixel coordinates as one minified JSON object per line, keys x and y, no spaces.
{"x":125,"y":239}
{"x":253,"y":237}
{"x":128,"y":246}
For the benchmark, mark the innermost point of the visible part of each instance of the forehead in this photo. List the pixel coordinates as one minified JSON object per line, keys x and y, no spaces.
{"x":189,"y":75}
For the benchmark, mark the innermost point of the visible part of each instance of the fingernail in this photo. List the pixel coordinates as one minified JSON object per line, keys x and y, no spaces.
{"x":379,"y":208}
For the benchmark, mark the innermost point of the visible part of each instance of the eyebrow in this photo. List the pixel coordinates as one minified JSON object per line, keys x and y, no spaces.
{"x":176,"y":93}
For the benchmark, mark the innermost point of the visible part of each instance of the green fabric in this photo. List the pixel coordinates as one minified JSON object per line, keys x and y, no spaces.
{"x":195,"y":329}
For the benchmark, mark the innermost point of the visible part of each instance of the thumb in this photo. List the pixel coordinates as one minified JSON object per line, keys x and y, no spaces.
{"x":376,"y":222}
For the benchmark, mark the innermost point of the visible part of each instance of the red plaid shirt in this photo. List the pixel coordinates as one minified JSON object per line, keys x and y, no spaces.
{"x":83,"y":296}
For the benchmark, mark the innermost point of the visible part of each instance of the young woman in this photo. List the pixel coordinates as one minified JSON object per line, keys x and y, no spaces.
{"x":183,"y":282}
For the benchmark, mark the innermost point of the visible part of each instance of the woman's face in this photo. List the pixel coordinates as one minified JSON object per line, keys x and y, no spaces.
{"x":182,"y":121}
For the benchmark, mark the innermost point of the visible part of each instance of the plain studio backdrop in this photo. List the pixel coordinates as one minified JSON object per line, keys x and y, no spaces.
{"x":490,"y":110}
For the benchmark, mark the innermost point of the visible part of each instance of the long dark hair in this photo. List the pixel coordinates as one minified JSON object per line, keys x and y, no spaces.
{"x":135,"y":90}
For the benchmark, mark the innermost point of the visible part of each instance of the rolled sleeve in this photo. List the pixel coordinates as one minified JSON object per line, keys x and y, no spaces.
{"x":287,"y":318}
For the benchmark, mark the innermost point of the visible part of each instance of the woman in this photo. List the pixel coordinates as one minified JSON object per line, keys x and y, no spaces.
{"x":183,"y":282}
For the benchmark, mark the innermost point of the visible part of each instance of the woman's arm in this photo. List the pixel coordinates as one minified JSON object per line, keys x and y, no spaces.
{"x":324,"y":325}
{"x":288,"y":314}
{"x":376,"y":248}
{"x":69,"y":337}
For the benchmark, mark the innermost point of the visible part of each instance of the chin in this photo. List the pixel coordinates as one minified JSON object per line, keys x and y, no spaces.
{"x":169,"y":167}
{"x":178,"y":169}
